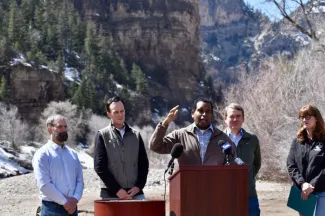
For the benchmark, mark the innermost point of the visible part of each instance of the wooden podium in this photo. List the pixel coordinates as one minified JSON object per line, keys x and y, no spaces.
{"x":209,"y":191}
{"x":129,"y":208}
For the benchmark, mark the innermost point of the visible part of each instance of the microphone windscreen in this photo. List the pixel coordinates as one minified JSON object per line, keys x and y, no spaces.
{"x":226,"y":146}
{"x":221,"y":142}
{"x":177,"y":150}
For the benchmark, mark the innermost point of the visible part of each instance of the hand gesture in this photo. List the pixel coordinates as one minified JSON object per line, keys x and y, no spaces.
{"x":306,"y":190}
{"x":171,"y":116}
{"x":122,"y":194}
{"x":133,"y":191}
{"x":71,"y":205}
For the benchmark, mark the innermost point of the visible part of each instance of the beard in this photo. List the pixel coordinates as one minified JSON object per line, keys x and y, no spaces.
{"x":61,"y":137}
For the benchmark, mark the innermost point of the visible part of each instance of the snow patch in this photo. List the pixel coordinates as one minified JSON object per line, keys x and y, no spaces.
{"x":119,"y":86}
{"x":8,"y":167}
{"x":71,"y":74}
{"x":86,"y":160}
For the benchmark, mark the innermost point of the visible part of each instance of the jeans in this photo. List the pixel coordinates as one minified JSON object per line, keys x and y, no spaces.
{"x":139,"y":197}
{"x":54,"y":209}
{"x":320,"y":205}
{"x":253,"y":207}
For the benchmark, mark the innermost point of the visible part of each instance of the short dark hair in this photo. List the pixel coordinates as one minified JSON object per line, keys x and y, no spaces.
{"x":112,"y":100}
{"x":205,"y":100}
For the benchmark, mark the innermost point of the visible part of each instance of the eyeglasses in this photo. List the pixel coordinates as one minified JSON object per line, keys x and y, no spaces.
{"x":307,"y":117}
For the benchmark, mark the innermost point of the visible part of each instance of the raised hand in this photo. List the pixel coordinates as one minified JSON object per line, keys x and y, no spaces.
{"x":171,"y":116}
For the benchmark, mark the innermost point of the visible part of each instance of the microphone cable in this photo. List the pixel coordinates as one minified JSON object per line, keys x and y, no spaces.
{"x":165,"y":186}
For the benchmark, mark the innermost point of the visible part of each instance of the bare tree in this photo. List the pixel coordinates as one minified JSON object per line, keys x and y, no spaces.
{"x":12,"y":128}
{"x":95,"y":123}
{"x":301,"y":18}
{"x":272,"y":98}
{"x":77,"y":120}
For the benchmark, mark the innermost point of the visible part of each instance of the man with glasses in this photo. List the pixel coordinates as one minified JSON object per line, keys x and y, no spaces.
{"x":248,"y":149}
{"x":58,"y":172}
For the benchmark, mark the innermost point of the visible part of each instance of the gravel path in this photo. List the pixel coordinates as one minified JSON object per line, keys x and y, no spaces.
{"x":19,"y":195}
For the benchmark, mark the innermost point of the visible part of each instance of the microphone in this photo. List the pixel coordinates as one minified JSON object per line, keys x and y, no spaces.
{"x":226,"y":149}
{"x":176,"y":152}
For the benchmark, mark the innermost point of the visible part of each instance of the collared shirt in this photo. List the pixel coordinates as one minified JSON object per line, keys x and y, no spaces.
{"x":233,"y":138}
{"x":203,"y":137}
{"x":122,"y":131}
{"x":58,"y":173}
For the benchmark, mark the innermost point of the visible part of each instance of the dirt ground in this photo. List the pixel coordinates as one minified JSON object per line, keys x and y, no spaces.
{"x":19,"y":196}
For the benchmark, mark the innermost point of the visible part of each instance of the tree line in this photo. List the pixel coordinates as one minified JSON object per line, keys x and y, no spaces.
{"x":56,"y":35}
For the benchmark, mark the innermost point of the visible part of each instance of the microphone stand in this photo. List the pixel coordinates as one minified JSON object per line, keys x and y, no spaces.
{"x":227,"y":161}
{"x":170,"y":172}
{"x":171,"y":169}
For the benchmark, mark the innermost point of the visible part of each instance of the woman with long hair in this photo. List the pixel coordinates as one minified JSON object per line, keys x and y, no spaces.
{"x":306,"y":161}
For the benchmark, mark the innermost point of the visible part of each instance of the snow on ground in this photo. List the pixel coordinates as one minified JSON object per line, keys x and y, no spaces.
{"x":85,"y":159}
{"x":8,"y":167}
{"x":14,"y":163}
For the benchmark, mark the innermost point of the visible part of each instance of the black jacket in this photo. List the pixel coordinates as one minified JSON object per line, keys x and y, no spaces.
{"x":306,"y":163}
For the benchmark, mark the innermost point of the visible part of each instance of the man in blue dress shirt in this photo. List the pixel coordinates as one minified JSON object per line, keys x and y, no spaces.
{"x":58,"y":172}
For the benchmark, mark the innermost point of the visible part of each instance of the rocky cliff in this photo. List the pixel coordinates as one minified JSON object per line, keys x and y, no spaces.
{"x":235,"y":37}
{"x":31,"y":89}
{"x":225,"y":29}
{"x":162,"y":36}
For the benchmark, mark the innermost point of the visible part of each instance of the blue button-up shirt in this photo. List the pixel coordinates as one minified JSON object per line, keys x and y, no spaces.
{"x":58,"y":173}
{"x":235,"y":139}
{"x":203,"y":137}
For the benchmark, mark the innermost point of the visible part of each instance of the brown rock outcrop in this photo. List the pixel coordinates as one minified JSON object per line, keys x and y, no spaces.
{"x":31,"y":89}
{"x":162,"y":36}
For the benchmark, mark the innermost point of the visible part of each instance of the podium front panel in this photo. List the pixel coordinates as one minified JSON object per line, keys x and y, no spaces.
{"x":129,"y":208}
{"x":209,"y":191}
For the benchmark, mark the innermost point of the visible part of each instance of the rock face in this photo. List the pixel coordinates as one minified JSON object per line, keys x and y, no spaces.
{"x":162,"y":36}
{"x":31,"y":89}
{"x":226,"y":27}
{"x":220,"y":12}
{"x":235,"y":37}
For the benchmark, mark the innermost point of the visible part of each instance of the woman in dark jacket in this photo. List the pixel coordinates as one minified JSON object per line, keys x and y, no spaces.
{"x":306,"y":161}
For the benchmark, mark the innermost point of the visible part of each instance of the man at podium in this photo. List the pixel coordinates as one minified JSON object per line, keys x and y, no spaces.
{"x":200,"y":139}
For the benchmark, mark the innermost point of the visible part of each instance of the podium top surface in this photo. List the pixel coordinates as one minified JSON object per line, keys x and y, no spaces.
{"x":208,"y":168}
{"x":128,"y":201}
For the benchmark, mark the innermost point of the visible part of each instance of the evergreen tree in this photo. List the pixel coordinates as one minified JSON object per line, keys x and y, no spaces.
{"x":85,"y":95}
{"x":17,"y":27}
{"x":61,"y":65}
{"x":78,"y":32}
{"x":5,"y":55}
{"x":4,"y":90}
{"x":140,"y":79}
{"x":28,"y":10}
{"x":12,"y":30}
